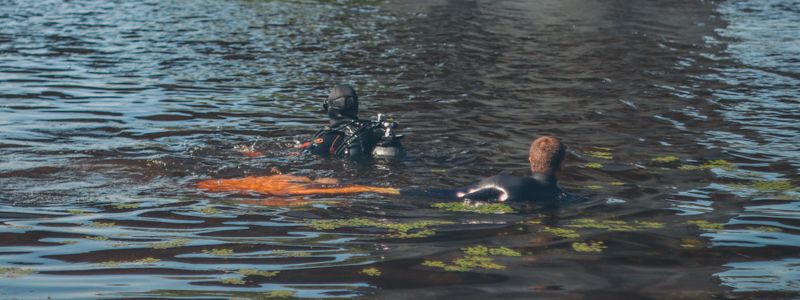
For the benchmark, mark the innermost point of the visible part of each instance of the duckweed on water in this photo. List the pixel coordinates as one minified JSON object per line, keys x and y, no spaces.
{"x":101,"y":224}
{"x":278,"y":294}
{"x":706,"y":225}
{"x":714,"y":164}
{"x":594,"y":187}
{"x":765,"y":229}
{"x":210,"y":210}
{"x":127,"y":206}
{"x":476,"y":257}
{"x":15,"y":272}
{"x":76,"y":212}
{"x":593,"y":165}
{"x":147,"y":260}
{"x":170,"y":244}
{"x":398,"y":230}
{"x":96,"y":238}
{"x":561,"y":232}
{"x":777,"y":185}
{"x":690,"y":243}
{"x":617,"y":183}
{"x":255,"y":272}
{"x":372,"y":272}
{"x":491,"y":208}
{"x":614,"y":225}
{"x":590,"y":246}
{"x":666,"y":159}
{"x":232,"y":280}
{"x":601,"y":154}
{"x":219,"y":252}
{"x":290,"y":253}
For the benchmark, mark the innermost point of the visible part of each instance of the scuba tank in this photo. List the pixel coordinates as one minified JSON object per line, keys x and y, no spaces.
{"x":389,"y":146}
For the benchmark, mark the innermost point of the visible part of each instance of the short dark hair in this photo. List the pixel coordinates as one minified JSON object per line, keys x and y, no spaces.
{"x":546,"y":154}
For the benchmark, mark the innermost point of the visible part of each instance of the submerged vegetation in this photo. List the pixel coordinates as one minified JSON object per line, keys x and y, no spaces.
{"x":256,"y":272}
{"x":767,"y":186}
{"x":477,"y":257}
{"x":593,"y":165}
{"x":170,"y":244}
{"x":15,"y":272}
{"x":489,"y":208}
{"x":371,"y":272}
{"x":706,"y":225}
{"x":666,"y":159}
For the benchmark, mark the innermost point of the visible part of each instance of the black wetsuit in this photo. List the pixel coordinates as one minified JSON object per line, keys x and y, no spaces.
{"x":509,"y":188}
{"x":346,"y":137}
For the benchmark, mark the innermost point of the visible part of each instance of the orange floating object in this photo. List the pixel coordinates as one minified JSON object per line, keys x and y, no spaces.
{"x":289,"y":185}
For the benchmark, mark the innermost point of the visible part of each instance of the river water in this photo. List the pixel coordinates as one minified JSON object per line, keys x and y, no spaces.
{"x":680,"y":117}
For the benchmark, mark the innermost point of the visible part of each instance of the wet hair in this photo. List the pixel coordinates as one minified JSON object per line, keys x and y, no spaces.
{"x":546,"y":155}
{"x":342,"y":100}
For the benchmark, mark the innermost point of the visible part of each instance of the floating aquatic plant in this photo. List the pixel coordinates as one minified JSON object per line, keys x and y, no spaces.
{"x":219,"y":252}
{"x":594,"y":187}
{"x":147,"y":260}
{"x":476,"y":257}
{"x":706,"y":225}
{"x":776,"y":185}
{"x":666,"y":159}
{"x":601,"y":154}
{"x":170,"y":244}
{"x":561,"y":232}
{"x":590,"y":246}
{"x":101,"y":224}
{"x":490,"y":208}
{"x":714,"y":164}
{"x":232,"y":281}
{"x":209,"y":210}
{"x":127,"y":206}
{"x":398,"y":230}
{"x":256,"y":272}
{"x":690,"y":243}
{"x":765,"y":229}
{"x":593,"y":165}
{"x":372,"y":272}
{"x":278,"y":294}
{"x":614,"y":225}
{"x":290,"y":253}
{"x":111,"y":264}
{"x":76,"y":212}
{"x":15,"y":272}
{"x":617,"y":183}
{"x":96,"y":238}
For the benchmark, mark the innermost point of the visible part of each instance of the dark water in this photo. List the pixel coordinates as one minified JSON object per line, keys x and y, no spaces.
{"x":111,"y":110}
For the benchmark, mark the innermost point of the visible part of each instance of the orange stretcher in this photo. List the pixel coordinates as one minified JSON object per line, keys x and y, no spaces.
{"x":289,"y":185}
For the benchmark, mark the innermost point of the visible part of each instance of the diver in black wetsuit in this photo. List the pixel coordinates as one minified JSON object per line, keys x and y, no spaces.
{"x":350,"y":137}
{"x":546,"y":157}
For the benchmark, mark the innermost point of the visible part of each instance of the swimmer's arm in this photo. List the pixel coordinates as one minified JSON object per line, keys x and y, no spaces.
{"x":486,"y":189}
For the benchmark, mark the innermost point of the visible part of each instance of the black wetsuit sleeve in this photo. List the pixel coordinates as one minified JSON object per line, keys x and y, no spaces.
{"x":484,"y":190}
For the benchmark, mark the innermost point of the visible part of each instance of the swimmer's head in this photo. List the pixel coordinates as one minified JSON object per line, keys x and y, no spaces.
{"x":547,"y":155}
{"x":342,"y":101}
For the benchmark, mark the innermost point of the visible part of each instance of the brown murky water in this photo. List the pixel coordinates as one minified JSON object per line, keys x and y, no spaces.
{"x":680,"y":117}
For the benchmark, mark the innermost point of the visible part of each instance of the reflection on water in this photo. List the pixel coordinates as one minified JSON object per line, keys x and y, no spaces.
{"x":679,"y":117}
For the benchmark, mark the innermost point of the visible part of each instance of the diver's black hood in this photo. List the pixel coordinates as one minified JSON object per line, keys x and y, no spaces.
{"x":342,"y":102}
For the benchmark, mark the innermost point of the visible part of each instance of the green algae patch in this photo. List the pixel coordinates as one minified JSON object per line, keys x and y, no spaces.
{"x":232,"y":281}
{"x":593,"y":165}
{"x":594,"y":187}
{"x":371,"y":272}
{"x":101,"y":224}
{"x":256,"y":272}
{"x":290,"y":253}
{"x":219,"y":252}
{"x":210,"y":210}
{"x":666,"y":159}
{"x":765,"y":229}
{"x":170,"y":244}
{"x":277,"y":294}
{"x":15,"y":272}
{"x":714,"y":164}
{"x":776,"y":185}
{"x":96,"y":238}
{"x":127,"y":206}
{"x":614,"y":225}
{"x":147,"y":260}
{"x":494,"y":251}
{"x":561,"y":232}
{"x":77,"y":212}
{"x":617,"y":183}
{"x":590,"y":246}
{"x":476,"y":257}
{"x":601,"y":154}
{"x":491,"y":208}
{"x":691,"y":243}
{"x":396,"y":230}
{"x":706,"y":225}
